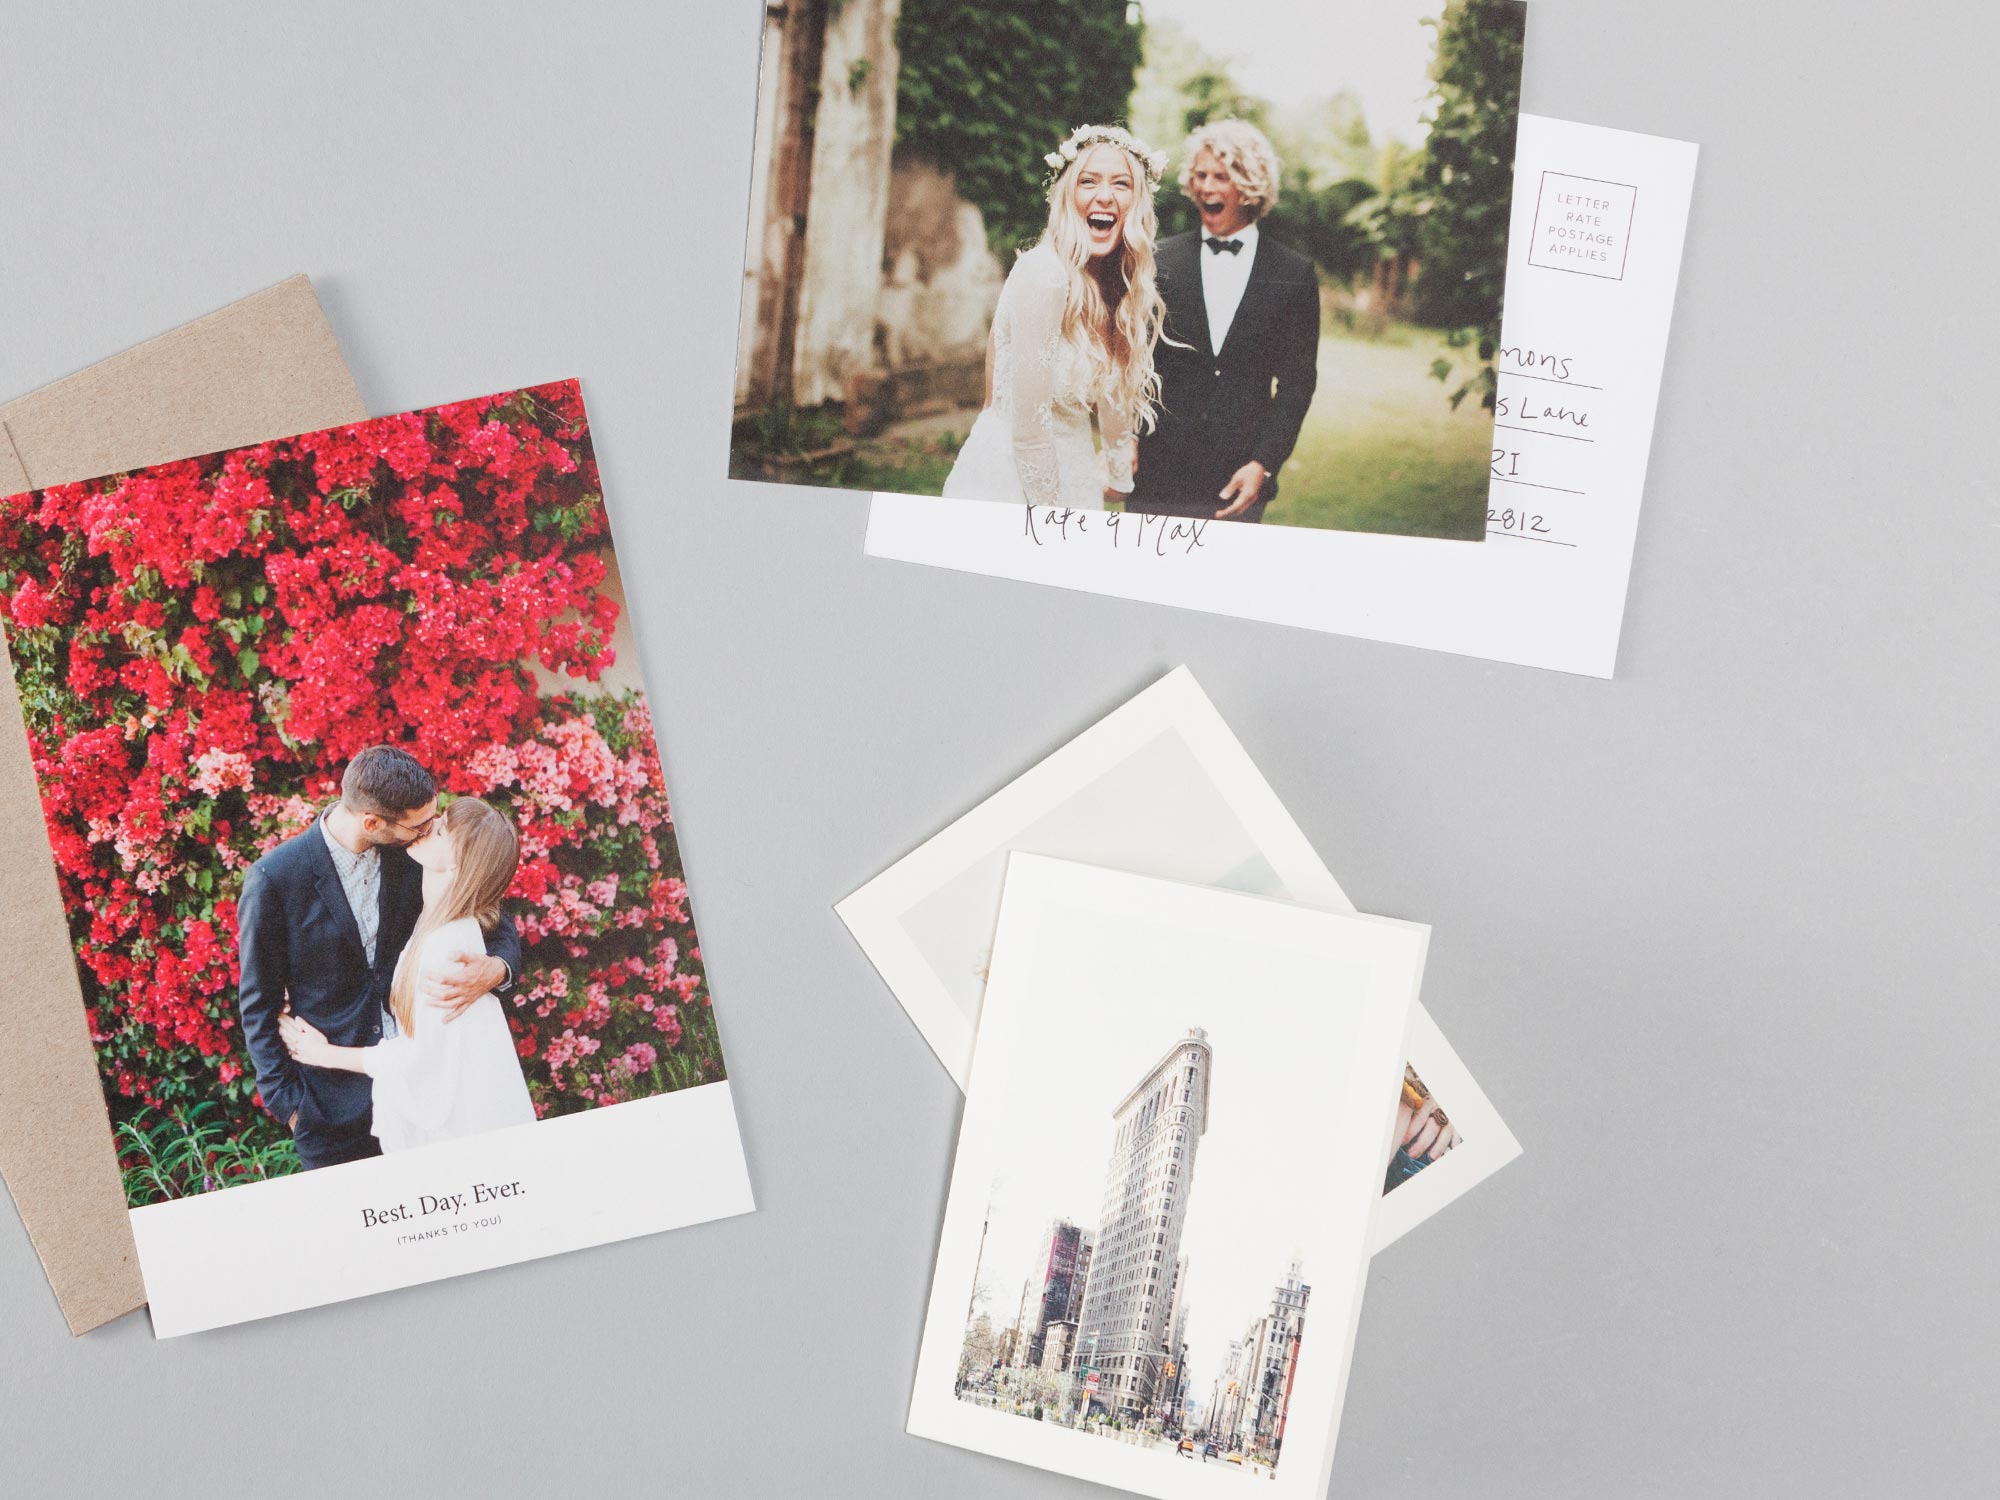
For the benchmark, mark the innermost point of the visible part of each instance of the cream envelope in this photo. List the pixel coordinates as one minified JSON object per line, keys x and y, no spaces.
{"x":265,"y":367}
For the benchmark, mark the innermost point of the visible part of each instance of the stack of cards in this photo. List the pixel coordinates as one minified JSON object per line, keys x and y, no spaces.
{"x":1200,"y":1093}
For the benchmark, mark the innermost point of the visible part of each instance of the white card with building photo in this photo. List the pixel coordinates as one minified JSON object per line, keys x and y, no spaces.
{"x":1159,"y":787}
{"x":1153,"y":1255}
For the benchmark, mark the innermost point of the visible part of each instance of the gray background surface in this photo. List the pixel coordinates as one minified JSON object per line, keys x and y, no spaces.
{"x":1718,"y":937}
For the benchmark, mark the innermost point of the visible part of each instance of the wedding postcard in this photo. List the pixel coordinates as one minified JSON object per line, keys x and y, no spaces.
{"x":1154,"y":1249}
{"x":360,"y":827}
{"x":1599,"y":217}
{"x":1172,"y":263}
{"x":1159,"y":787}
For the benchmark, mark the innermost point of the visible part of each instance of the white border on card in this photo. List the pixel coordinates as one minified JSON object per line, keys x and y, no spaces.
{"x":386,"y":1222}
{"x":876,"y":914}
{"x":1346,"y":1157}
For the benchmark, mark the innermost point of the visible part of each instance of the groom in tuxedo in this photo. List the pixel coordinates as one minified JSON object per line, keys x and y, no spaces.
{"x":320,"y":924}
{"x":1240,"y":358}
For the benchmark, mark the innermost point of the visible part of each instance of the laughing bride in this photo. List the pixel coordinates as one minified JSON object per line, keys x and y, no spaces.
{"x":1073,"y":336}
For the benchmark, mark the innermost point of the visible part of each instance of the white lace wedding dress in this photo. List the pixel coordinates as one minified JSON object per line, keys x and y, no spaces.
{"x":453,"y":1078}
{"x":1033,"y":442}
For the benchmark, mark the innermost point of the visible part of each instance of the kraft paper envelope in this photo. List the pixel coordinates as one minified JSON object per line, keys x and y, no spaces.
{"x":262,"y":368}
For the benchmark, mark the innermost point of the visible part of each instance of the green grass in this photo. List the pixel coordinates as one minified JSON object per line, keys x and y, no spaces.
{"x":906,"y":465}
{"x":1382,"y":450}
{"x":179,"y":1153}
{"x":899,"y":465}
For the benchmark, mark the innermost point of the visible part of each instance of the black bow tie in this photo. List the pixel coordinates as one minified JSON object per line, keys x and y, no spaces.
{"x":1218,"y":246}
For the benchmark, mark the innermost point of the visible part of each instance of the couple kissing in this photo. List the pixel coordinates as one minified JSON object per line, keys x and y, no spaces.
{"x":373,"y":951}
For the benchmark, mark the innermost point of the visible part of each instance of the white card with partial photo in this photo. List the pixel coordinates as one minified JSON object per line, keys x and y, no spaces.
{"x":1599,"y":217}
{"x":1177,"y":1113}
{"x":1176,"y":263}
{"x":380,"y":925}
{"x":1159,"y":787}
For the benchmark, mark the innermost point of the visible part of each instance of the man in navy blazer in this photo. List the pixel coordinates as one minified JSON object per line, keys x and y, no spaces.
{"x":320,"y":924}
{"x":1240,"y":359}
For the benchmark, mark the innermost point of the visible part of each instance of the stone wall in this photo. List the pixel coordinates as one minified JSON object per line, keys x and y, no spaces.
{"x":895,"y":283}
{"x":764,"y":245}
{"x":854,"y":133}
{"x":940,"y":281}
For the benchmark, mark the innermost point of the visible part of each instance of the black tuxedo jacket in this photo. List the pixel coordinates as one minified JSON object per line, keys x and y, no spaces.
{"x":1221,"y":408}
{"x":298,"y":945}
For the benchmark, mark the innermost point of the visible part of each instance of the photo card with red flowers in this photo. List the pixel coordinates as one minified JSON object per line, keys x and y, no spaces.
{"x":360,"y":827}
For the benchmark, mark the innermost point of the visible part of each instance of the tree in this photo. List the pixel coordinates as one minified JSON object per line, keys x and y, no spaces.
{"x":986,"y":91}
{"x":977,"y":1353}
{"x":1391,"y":217}
{"x":1211,"y":95}
{"x":1464,"y":187}
{"x":1318,"y":222}
{"x":1323,"y":146}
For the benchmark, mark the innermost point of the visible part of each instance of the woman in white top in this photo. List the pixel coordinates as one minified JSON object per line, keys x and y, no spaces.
{"x":439,"y":1079}
{"x":1073,"y":337}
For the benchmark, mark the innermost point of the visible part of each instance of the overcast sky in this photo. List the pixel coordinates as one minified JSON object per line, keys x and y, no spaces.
{"x":1106,"y":999}
{"x":1289,"y":51}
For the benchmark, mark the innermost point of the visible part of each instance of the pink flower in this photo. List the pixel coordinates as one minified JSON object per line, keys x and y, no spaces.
{"x":493,"y":766}
{"x":217,"y":771}
{"x":637,"y":1058}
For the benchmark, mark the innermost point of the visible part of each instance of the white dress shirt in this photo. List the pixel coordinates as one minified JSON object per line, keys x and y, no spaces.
{"x":1223,"y":277}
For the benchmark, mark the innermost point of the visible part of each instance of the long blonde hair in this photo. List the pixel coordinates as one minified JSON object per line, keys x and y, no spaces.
{"x":485,"y":850}
{"x":1117,"y":340}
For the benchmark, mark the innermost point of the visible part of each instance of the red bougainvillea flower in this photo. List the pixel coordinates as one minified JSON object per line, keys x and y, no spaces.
{"x":201,"y":647}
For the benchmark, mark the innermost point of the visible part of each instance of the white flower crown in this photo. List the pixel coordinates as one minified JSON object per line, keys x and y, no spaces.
{"x":1084,"y":137}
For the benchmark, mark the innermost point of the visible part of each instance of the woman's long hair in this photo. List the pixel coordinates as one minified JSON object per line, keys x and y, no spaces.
{"x":485,"y":850}
{"x":1115,"y":321}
